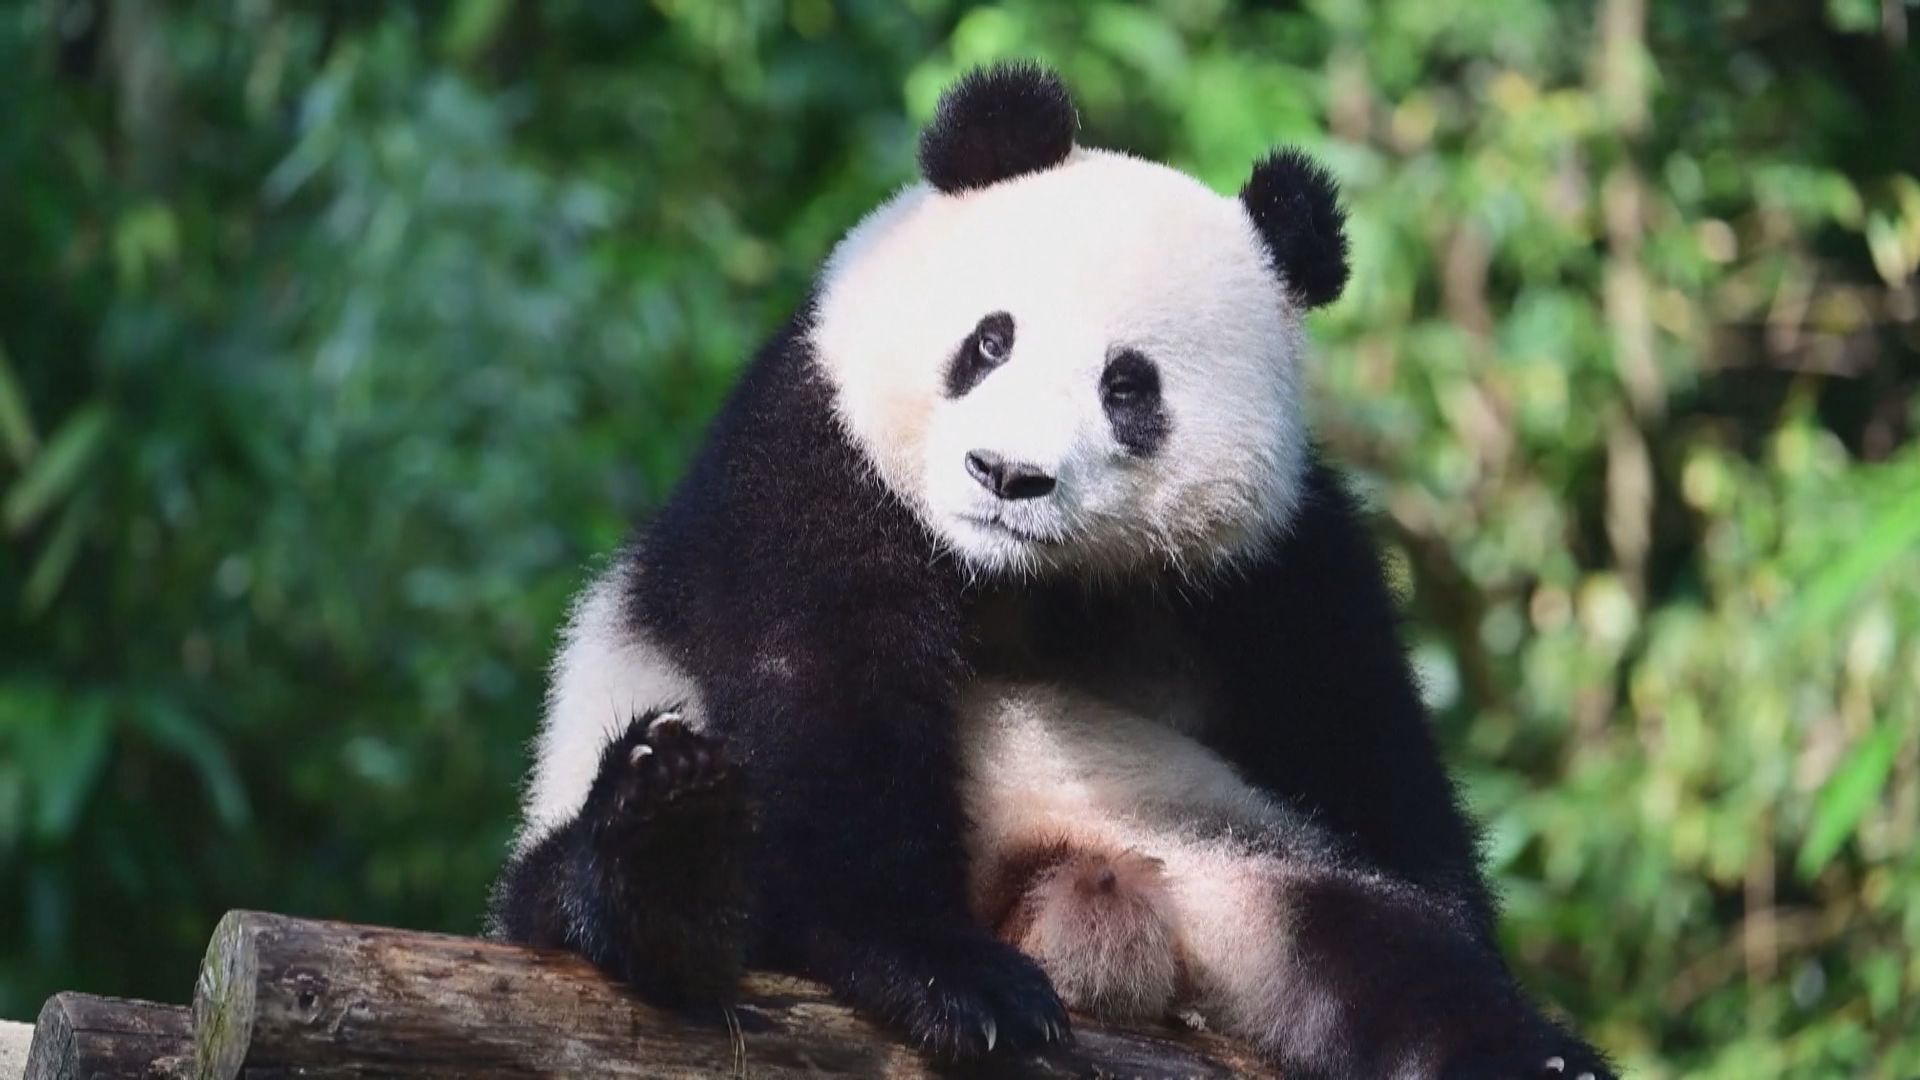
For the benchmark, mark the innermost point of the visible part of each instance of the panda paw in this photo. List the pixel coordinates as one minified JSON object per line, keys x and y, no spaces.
{"x":958,"y":994}
{"x":1564,"y":1058}
{"x":658,"y":900}
{"x":660,"y":778}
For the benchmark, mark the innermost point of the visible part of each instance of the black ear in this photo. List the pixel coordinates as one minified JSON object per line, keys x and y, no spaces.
{"x":1294,"y":204}
{"x":995,"y":124}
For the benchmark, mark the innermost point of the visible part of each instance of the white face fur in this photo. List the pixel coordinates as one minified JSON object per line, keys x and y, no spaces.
{"x":1098,"y":256}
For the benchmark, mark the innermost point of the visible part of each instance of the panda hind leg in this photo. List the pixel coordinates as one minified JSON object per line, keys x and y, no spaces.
{"x":648,"y":881}
{"x":1346,"y":974}
{"x":1100,"y":924}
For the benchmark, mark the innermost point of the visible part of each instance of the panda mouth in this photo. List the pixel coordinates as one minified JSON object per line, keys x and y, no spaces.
{"x":1000,"y":526}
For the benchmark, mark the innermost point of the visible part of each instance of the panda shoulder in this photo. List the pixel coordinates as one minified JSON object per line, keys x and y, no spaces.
{"x":1331,"y":547}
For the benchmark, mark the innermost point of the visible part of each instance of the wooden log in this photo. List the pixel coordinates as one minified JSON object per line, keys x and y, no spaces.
{"x":279,"y":996}
{"x":83,"y":1037}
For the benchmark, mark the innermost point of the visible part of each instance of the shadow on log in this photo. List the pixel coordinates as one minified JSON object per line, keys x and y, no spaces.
{"x":280,"y":996}
{"x":97,"y":1038}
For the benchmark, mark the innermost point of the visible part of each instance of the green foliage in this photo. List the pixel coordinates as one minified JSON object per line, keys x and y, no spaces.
{"x":336,"y":341}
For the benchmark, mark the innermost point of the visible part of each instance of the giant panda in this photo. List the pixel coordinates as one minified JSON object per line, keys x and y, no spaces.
{"x":1009,"y":646}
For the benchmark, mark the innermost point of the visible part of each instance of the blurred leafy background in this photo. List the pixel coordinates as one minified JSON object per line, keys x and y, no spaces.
{"x":337,"y":340}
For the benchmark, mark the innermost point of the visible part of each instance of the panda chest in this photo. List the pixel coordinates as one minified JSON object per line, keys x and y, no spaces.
{"x":1084,"y":730}
{"x":1128,"y":657}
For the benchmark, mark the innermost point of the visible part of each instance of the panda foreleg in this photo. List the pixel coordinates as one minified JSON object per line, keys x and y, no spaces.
{"x":647,"y":880}
{"x":860,"y":877}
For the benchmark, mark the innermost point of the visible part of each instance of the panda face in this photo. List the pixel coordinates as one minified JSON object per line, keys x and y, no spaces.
{"x":1091,"y":368}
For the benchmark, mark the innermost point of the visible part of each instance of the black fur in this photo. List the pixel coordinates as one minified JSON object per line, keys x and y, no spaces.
{"x":1130,"y":393}
{"x":647,"y":881}
{"x":1413,"y":984}
{"x":971,"y":361}
{"x":995,"y":124}
{"x":1294,"y":204}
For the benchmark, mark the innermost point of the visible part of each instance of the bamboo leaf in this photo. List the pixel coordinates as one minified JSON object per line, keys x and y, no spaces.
{"x":16,"y":424}
{"x":1893,"y":535}
{"x":187,"y":736}
{"x":69,"y":762}
{"x":57,"y":558}
{"x":1846,"y":798}
{"x":59,"y":468}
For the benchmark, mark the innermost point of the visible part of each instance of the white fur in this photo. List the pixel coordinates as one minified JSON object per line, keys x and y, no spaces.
{"x":1103,"y":253}
{"x":1045,"y":763}
{"x":1110,"y":944}
{"x":606,"y":674}
{"x":1045,"y":758}
{"x":1231,"y":906}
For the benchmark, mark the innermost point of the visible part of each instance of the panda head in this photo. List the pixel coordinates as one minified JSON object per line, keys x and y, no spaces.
{"x":1069,"y":359}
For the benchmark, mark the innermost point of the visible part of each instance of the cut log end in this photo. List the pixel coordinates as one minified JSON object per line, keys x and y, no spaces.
{"x":222,"y":998}
{"x":80,"y":1035}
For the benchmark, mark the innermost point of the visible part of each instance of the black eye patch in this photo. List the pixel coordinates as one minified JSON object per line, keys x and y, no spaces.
{"x":1130,"y":393}
{"x":985,"y":349}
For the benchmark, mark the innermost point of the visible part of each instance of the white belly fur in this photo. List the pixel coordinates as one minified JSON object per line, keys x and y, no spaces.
{"x":1041,"y":757}
{"x":1044,"y":762}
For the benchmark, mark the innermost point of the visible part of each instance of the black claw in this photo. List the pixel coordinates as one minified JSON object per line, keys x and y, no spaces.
{"x":658,"y":767}
{"x":1572,"y":1063}
{"x":1540,"y":1051}
{"x":958,"y":994}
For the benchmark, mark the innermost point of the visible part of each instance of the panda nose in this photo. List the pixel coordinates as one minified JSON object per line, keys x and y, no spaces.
{"x":1007,"y":479}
